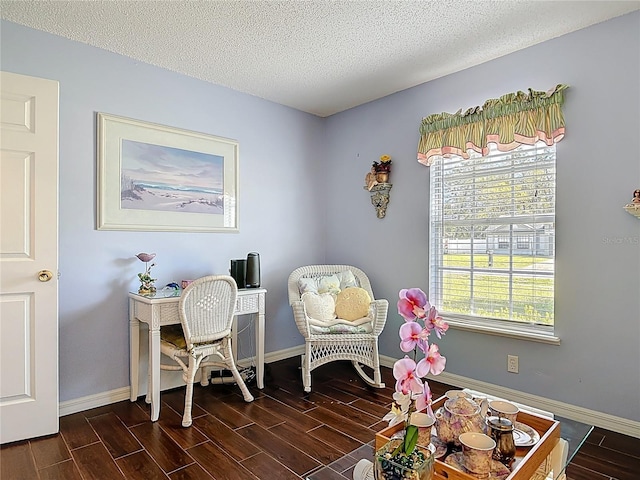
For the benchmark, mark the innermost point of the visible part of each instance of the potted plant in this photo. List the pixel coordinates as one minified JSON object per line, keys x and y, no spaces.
{"x":147,"y":283}
{"x":383,"y":168}
{"x":403,"y":457}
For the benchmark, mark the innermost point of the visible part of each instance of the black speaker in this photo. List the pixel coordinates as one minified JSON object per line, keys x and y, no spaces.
{"x":253,"y":270}
{"x":239,"y":272}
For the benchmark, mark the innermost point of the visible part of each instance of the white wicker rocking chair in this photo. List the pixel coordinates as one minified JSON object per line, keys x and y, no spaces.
{"x":206,"y":313}
{"x":321,"y":348}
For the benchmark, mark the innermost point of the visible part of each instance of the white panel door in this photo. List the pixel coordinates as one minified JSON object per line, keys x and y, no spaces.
{"x":28,"y":257}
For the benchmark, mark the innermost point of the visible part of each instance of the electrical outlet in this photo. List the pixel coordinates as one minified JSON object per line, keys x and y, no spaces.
{"x":512,"y":363}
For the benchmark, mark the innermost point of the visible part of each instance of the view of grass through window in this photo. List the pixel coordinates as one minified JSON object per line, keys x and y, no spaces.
{"x":499,"y":295}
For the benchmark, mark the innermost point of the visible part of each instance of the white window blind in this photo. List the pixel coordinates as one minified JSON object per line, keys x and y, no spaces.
{"x":492,"y":234}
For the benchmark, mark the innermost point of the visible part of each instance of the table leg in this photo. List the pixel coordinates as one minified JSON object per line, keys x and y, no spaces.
{"x":559,"y":456}
{"x":260,"y":350}
{"x":134,"y":352}
{"x":154,"y":375}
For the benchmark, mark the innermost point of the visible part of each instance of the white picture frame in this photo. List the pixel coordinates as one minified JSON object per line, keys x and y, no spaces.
{"x":157,"y":178}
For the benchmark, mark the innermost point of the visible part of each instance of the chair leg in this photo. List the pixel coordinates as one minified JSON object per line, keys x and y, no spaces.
{"x":376,"y":381}
{"x":204,"y":376}
{"x":306,"y":374}
{"x":231,"y":365}
{"x":194,"y":364}
{"x":306,"y":370}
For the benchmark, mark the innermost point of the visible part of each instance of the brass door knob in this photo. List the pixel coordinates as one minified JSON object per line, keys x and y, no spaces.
{"x":45,"y":275}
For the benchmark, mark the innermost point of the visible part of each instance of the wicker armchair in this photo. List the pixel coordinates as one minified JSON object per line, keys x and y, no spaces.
{"x":323,"y":347}
{"x":206,"y":314}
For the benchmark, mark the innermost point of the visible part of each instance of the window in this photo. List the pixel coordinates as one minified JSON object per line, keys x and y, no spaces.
{"x":492,"y":236}
{"x":523,"y":242}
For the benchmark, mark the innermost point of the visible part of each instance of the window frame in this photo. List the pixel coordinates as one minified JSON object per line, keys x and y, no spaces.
{"x":482,"y":324}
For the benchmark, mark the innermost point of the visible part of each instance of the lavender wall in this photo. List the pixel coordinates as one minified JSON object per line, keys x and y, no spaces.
{"x":598,"y":243}
{"x":280,"y":149}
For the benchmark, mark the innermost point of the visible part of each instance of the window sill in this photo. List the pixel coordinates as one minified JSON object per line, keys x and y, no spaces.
{"x":529,"y":334}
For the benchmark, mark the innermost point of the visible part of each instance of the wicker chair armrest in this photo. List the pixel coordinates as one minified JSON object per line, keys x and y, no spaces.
{"x":379,"y":310}
{"x":299,"y":315}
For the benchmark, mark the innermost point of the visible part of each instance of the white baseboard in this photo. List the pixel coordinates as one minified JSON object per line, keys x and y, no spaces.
{"x":273,"y":356}
{"x":284,"y":354}
{"x":106,"y":398}
{"x":572,"y":412}
{"x":92,"y":401}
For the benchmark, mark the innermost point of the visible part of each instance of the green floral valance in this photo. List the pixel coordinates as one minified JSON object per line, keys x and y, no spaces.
{"x":508,"y":121}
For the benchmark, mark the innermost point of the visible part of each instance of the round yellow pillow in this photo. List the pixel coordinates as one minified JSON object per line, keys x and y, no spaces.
{"x":352,"y":303}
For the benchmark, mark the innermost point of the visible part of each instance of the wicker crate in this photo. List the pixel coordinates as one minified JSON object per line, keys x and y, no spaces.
{"x":527,"y":460}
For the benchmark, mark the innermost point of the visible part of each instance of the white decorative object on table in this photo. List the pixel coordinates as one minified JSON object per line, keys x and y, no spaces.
{"x":524,"y":435}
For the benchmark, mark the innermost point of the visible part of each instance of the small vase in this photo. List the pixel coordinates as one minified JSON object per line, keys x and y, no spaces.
{"x":382,"y":177}
{"x":417,"y":466}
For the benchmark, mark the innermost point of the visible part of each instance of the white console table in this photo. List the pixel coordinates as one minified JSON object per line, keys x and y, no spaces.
{"x":162,"y":309}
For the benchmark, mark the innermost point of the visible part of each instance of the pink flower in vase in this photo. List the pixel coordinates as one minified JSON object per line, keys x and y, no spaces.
{"x":412,"y":390}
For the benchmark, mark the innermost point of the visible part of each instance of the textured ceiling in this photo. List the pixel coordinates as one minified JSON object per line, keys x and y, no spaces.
{"x":318,"y":56}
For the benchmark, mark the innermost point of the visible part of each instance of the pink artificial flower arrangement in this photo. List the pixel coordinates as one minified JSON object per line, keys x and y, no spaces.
{"x":421,"y":318}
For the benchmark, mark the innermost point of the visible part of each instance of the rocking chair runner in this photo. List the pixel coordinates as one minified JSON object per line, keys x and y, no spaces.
{"x":357,"y":342}
{"x":206,"y":311}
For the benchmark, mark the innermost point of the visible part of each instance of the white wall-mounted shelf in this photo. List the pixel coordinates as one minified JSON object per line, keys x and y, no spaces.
{"x":633,"y":209}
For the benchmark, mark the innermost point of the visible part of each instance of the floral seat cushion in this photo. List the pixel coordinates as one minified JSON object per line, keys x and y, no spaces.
{"x":342,"y":328}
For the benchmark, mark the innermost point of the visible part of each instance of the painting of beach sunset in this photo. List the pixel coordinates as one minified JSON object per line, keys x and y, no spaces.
{"x":155,"y":177}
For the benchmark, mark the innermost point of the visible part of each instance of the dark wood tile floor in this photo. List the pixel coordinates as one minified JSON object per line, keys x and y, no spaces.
{"x":283,"y":434}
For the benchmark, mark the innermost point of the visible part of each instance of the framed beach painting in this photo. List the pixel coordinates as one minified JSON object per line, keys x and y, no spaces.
{"x":158,"y":178}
